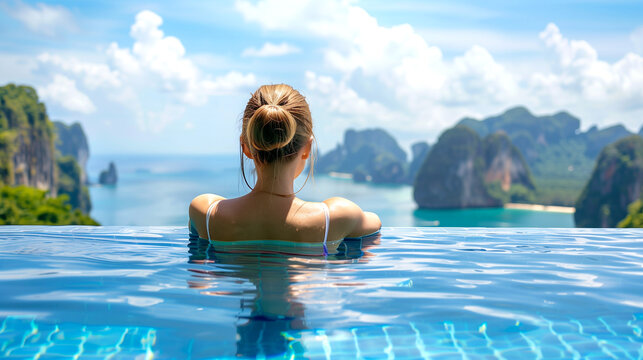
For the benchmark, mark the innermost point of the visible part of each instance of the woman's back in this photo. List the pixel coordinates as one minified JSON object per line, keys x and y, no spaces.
{"x":277,"y":136}
{"x":260,"y":217}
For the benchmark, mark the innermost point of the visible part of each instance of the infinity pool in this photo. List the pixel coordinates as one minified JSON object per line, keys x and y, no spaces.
{"x":151,"y":292}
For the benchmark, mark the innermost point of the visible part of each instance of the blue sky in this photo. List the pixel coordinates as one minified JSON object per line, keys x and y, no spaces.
{"x":173,"y":77}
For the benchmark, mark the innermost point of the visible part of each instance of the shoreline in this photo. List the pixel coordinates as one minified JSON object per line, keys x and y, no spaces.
{"x":537,"y":207}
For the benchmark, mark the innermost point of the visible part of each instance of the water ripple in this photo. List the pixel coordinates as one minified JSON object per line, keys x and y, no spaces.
{"x":413,"y":293}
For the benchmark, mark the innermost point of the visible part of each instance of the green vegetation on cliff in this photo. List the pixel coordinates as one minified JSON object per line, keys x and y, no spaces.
{"x":70,"y":184}
{"x":26,"y":139}
{"x":22,"y":205}
{"x":419,"y":151}
{"x":464,"y":171}
{"x":71,"y":159}
{"x":367,"y":154}
{"x":71,"y":141}
{"x":634,"y":218}
{"x":616,"y":182}
{"x":559,"y":155}
{"x":452,"y":175}
{"x":28,"y":157}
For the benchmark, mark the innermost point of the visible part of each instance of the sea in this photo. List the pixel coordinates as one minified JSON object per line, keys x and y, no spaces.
{"x":157,"y":190}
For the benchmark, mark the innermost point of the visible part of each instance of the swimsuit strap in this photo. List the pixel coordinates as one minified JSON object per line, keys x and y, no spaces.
{"x":327,"y":214}
{"x":207,"y":217}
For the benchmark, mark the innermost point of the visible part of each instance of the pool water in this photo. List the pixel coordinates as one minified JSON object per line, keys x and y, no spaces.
{"x":152,"y":292}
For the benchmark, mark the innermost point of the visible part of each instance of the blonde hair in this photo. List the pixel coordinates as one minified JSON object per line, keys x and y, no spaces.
{"x":276,"y":124}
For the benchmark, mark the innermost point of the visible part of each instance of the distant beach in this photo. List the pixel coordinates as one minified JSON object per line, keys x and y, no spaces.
{"x":537,"y":207}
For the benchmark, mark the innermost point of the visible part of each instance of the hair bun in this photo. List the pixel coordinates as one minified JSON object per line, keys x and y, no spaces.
{"x":270,"y":127}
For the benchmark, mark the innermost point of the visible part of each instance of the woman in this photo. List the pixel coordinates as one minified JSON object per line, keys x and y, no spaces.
{"x":277,"y":134}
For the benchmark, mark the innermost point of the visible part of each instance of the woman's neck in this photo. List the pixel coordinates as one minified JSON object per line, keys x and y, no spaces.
{"x":276,"y":178}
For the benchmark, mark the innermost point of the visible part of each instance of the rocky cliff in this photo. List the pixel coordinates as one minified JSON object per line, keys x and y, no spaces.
{"x":452,"y":175}
{"x":617,"y":181}
{"x":108,"y":176}
{"x":71,"y":141}
{"x":504,"y":163}
{"x":71,"y":160}
{"x":26,"y":140}
{"x":419,"y":151}
{"x":560,"y":156}
{"x":370,"y":154}
{"x":70,"y":183}
{"x":463,"y":171}
{"x":634,"y":218}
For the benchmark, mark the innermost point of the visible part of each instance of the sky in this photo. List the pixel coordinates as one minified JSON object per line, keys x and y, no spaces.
{"x":174,"y":77}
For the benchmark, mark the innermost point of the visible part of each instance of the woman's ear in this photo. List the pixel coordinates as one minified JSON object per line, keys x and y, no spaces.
{"x":307,"y":148}
{"x":245,"y":149}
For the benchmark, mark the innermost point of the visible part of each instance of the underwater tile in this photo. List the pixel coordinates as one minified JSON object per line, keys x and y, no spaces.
{"x":127,"y":355}
{"x":63,"y":350}
{"x":47,"y":356}
{"x":24,"y":351}
{"x":551,"y":352}
{"x":91,"y":357}
{"x":588,"y":348}
{"x":407,"y":353}
{"x":447,"y":356}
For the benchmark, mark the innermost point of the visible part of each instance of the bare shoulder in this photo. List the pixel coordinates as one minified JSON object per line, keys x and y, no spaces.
{"x":350,"y":219}
{"x":199,"y":205}
{"x":342,"y":208}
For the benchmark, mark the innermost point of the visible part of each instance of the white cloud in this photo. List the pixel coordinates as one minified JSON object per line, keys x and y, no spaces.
{"x":123,"y":60}
{"x":477,"y":75}
{"x":94,"y":75}
{"x":637,"y":39}
{"x":62,"y":90}
{"x":162,"y":58}
{"x":430,"y":91}
{"x":269,"y":49}
{"x":397,"y":58}
{"x":44,"y":19}
{"x":155,"y":70}
{"x":579,"y":73}
{"x":339,"y":98}
{"x":460,"y":40}
{"x":156,"y":121}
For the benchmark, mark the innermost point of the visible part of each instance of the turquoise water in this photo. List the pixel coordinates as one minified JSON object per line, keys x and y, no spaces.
{"x":156,"y":190}
{"x":453,"y":293}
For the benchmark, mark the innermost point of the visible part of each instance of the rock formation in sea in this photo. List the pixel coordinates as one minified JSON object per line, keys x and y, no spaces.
{"x":504,"y":163}
{"x":452,"y":175}
{"x":109,"y":175}
{"x":464,"y":171}
{"x":26,"y":140}
{"x":419,"y":151}
{"x":560,"y":156}
{"x":371,"y":154}
{"x":617,"y":182}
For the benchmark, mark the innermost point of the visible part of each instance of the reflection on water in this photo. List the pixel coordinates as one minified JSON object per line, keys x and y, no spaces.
{"x":270,"y":310}
{"x":122,"y":292}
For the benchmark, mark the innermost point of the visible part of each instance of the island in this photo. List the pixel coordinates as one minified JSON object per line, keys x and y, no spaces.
{"x":616,"y":183}
{"x":463,"y":171}
{"x":38,"y":185}
{"x":109,"y":175}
